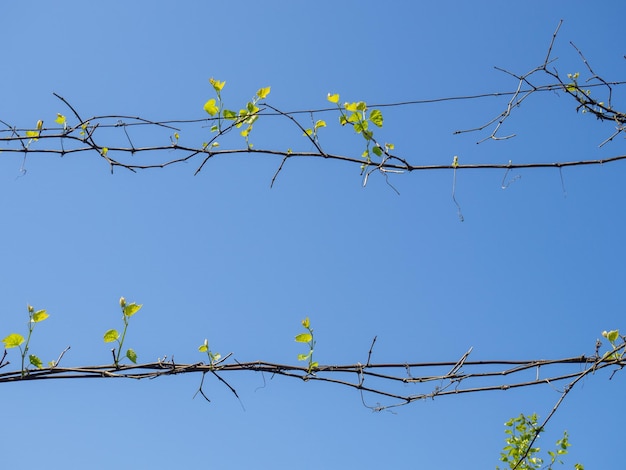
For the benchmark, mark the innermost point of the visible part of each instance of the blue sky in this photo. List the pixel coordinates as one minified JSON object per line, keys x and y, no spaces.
{"x":534,"y":271}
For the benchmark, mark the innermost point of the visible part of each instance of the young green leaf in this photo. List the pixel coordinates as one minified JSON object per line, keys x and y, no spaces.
{"x":132,"y":356}
{"x":13,"y":340}
{"x":304,"y":338}
{"x":131,"y":309}
{"x":263,"y":92}
{"x":40,"y":315}
{"x":211,"y":108}
{"x":217,"y":85}
{"x":34,"y":360}
{"x":204,"y":347}
{"x":110,"y":336}
{"x":333,"y":98}
{"x":306,"y":323}
{"x":376,"y":117}
{"x":228,"y":114}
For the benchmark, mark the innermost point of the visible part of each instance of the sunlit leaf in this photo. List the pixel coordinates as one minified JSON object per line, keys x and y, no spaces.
{"x":60,"y":119}
{"x":304,"y":338}
{"x":217,"y":85}
{"x":104,"y":151}
{"x":111,"y":336}
{"x":131,"y":309}
{"x":40,"y":315}
{"x":13,"y":340}
{"x":306,"y":323}
{"x":211,"y":108}
{"x":263,"y":92}
{"x":303,"y":357}
{"x":613,"y":335}
{"x":376,"y":117}
{"x":320,"y":123}
{"x":333,"y":98}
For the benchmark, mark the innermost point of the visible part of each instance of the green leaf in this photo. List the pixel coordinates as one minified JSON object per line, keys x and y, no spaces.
{"x":110,"y":336}
{"x":613,"y":335}
{"x":306,"y":323}
{"x":132,"y":356}
{"x":204,"y":347}
{"x":228,"y":114}
{"x":263,"y":92}
{"x":131,"y":309}
{"x":40,"y":315}
{"x":60,"y":119}
{"x":333,"y":98}
{"x":217,"y":85}
{"x":211,"y":108}
{"x":34,"y":360}
{"x":319,"y":124}
{"x":304,"y":338}
{"x":13,"y":340}
{"x":313,"y":365}
{"x":252,"y":108}
{"x":376,"y":117}
{"x":377,"y":151}
{"x":303,"y":357}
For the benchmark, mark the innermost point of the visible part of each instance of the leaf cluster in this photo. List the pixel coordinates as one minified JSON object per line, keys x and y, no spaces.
{"x":519,"y":453}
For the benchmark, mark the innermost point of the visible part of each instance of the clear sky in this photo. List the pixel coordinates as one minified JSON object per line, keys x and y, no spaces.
{"x":534,"y":272}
